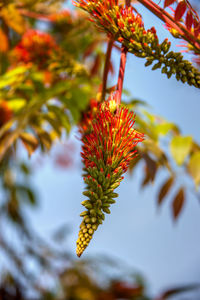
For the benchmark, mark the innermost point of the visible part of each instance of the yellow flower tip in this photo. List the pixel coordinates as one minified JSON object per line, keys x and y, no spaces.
{"x":112,"y":105}
{"x":80,"y":249}
{"x":83,"y":240}
{"x":79,"y":252}
{"x":98,"y":97}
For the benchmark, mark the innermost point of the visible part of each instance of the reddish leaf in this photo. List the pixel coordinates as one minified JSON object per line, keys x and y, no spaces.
{"x":90,"y":49}
{"x":147,"y":178}
{"x":178,"y":290}
{"x":196,"y":28}
{"x":189,"y":20}
{"x":180,"y":10}
{"x":151,"y":166}
{"x":178,"y":202}
{"x":96,"y":65}
{"x":168,"y":2}
{"x":165,"y":189}
{"x":5,"y":113}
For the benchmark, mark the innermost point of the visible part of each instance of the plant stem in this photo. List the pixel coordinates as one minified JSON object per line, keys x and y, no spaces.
{"x":122,"y":67}
{"x":106,"y":68}
{"x":121,"y":73}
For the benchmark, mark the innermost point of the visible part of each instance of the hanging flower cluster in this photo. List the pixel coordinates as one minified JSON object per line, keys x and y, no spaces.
{"x":107,"y":151}
{"x":127,"y":28}
{"x":34,"y":47}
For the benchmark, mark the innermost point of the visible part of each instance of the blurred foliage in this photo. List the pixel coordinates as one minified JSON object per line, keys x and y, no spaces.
{"x":47,"y":79}
{"x":88,"y":280}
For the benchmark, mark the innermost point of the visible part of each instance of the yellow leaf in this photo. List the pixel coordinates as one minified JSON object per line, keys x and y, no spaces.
{"x":16,"y":104}
{"x":30,"y":142}
{"x":180,"y":147}
{"x":164,"y":128}
{"x":13,"y":19}
{"x":194,"y":167}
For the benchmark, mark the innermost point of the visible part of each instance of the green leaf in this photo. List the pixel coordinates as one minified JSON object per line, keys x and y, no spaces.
{"x":13,"y":76}
{"x":194,"y":167}
{"x":61,"y":117}
{"x":25,"y":169}
{"x":55,"y":124}
{"x":44,"y":138}
{"x":149,"y":116}
{"x":180,"y":147}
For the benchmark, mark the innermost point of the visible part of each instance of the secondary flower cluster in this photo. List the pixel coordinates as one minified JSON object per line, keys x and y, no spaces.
{"x":127,"y":28}
{"x":34,"y":47}
{"x":107,"y":151}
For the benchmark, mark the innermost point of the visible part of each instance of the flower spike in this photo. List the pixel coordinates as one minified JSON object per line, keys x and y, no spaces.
{"x":123,"y":25}
{"x":107,"y":151}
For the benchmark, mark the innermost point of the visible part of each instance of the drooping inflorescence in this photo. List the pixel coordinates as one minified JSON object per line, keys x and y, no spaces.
{"x":107,"y":150}
{"x":127,"y":28}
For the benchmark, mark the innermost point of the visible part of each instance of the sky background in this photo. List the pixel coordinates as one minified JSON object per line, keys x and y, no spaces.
{"x":136,"y":232}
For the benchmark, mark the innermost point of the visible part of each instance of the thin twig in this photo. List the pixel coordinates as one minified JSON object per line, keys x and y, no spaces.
{"x":124,"y":51}
{"x":106,"y":68}
{"x":121,"y":73}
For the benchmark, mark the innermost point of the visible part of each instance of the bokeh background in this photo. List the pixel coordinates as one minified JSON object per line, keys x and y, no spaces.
{"x":138,"y":235}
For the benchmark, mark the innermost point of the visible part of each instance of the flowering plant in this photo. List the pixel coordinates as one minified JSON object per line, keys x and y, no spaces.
{"x":52,"y":80}
{"x":107,"y":135}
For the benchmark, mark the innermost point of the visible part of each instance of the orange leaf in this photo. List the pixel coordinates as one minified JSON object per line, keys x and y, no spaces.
{"x":13,"y":19}
{"x":151,"y":166}
{"x":5,"y":113}
{"x":178,"y":202}
{"x":180,"y":10}
{"x":189,"y":20}
{"x":30,"y":142}
{"x":3,"y":41}
{"x":168,"y":2}
{"x":165,"y":189}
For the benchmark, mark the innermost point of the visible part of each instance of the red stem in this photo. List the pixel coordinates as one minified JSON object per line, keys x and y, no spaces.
{"x":124,"y":51}
{"x":33,"y":15}
{"x":167,"y":18}
{"x":121,"y":73}
{"x":106,"y":68}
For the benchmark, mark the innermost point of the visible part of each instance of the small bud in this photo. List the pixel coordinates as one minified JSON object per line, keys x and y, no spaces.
{"x":106,"y":210}
{"x":84,"y":213}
